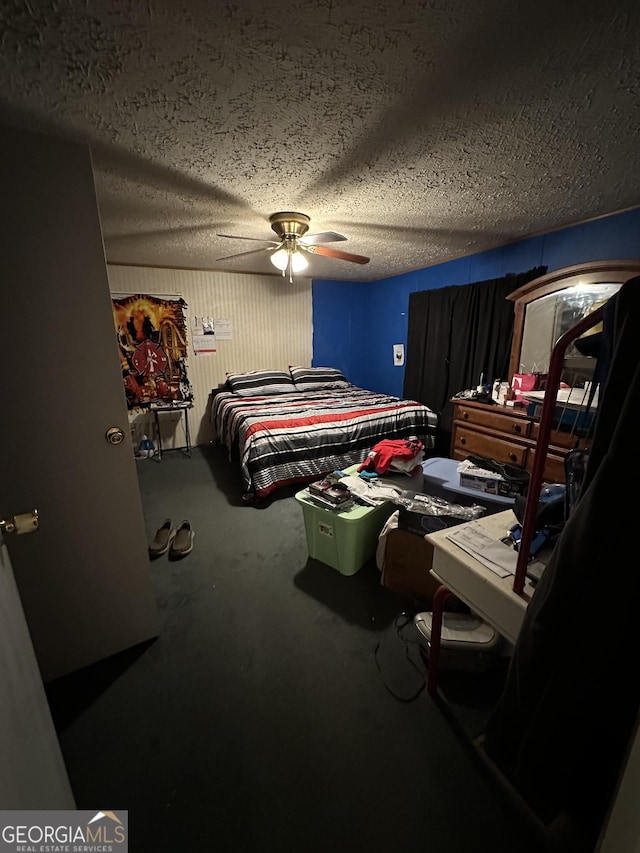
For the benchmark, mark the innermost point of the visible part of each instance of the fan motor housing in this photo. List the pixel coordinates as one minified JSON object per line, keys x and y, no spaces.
{"x":289,"y":224}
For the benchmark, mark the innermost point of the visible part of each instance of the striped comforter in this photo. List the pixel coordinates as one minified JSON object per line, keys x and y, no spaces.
{"x":288,"y":438}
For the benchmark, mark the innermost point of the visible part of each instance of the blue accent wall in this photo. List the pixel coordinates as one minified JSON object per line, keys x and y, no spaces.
{"x":356,"y":324}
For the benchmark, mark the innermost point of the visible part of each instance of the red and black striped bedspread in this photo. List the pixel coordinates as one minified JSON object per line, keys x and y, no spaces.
{"x":288,"y":438}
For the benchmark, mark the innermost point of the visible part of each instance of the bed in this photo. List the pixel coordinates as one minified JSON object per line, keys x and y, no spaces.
{"x":302,"y":425}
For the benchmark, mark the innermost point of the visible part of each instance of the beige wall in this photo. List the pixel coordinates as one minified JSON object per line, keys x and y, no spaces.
{"x":270,"y":321}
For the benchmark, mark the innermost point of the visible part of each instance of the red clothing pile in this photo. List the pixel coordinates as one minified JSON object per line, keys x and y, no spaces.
{"x":402,"y":454}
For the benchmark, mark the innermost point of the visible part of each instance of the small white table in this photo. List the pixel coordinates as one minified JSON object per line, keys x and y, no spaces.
{"x":482,"y":590}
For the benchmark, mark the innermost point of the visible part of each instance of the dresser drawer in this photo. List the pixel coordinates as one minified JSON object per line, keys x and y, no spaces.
{"x":494,"y":419}
{"x":467,"y":441}
{"x":563,"y":440}
{"x":553,"y":471}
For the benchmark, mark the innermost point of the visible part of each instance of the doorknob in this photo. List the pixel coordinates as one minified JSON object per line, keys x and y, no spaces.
{"x":114,"y":435}
{"x":23,"y":522}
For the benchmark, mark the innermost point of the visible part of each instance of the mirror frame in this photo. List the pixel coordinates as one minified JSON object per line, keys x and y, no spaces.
{"x":594,"y":272}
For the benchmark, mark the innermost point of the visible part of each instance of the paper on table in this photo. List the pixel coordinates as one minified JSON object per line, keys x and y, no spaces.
{"x":495,"y":555}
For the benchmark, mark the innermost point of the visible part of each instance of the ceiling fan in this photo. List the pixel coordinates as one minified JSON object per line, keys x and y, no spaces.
{"x":287,"y":253}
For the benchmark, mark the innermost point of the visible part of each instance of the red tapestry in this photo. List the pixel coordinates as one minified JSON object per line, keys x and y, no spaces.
{"x":152,"y":337}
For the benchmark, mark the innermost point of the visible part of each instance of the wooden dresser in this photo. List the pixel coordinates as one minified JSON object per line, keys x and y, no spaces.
{"x":507,"y":435}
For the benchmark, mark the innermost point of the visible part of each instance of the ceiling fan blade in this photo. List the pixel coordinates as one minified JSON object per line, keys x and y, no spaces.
{"x":336,"y":253}
{"x":252,"y":252}
{"x":322,"y":237}
{"x":237,"y":237}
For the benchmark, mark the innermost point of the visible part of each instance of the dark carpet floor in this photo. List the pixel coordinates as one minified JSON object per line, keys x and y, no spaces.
{"x":260,"y":719}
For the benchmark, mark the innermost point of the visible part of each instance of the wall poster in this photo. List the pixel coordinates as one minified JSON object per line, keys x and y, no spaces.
{"x":152,"y":339}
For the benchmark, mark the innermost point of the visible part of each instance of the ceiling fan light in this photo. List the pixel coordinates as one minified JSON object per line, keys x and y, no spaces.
{"x":298,"y":262}
{"x":280,"y":259}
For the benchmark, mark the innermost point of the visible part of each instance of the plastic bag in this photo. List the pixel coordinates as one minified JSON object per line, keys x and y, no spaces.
{"x":431,"y":505}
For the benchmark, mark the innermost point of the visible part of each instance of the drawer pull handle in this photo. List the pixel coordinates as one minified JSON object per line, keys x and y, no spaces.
{"x":465,"y":416}
{"x":513,"y":457}
{"x":517,"y":428}
{"x":463,"y":441}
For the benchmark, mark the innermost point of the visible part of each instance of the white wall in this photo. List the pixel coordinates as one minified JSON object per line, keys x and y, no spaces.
{"x":271,"y":326}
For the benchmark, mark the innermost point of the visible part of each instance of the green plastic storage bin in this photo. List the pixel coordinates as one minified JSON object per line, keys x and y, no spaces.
{"x":343,"y":540}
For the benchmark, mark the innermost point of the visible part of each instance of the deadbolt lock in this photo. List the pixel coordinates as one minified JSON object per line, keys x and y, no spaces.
{"x":23,"y":522}
{"x":114,"y":435}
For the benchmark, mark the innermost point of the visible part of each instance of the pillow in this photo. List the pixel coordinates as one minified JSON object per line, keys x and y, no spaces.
{"x":259,"y":382}
{"x":318,"y":378}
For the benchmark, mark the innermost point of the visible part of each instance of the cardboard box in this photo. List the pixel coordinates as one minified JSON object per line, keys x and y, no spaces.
{"x":407,"y":561}
{"x":488,"y":482}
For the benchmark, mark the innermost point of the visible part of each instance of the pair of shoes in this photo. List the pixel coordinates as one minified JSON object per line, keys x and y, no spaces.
{"x":180,"y":541}
{"x":162,"y":540}
{"x":183,"y":541}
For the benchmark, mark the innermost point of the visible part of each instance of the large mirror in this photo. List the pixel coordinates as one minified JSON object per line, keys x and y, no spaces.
{"x":549,"y":317}
{"x":550,"y":305}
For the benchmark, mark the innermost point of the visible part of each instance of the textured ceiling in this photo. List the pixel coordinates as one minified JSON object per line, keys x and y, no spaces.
{"x":421,"y":131}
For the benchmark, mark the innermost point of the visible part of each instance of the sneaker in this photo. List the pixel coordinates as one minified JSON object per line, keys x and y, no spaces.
{"x":183,"y":540}
{"x":162,"y":540}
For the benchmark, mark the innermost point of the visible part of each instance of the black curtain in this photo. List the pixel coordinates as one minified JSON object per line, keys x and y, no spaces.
{"x":455,"y":335}
{"x":572,"y":694}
